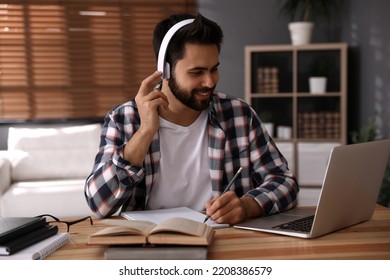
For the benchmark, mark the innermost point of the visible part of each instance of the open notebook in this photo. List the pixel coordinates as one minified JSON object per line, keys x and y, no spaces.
{"x":348,"y":196}
{"x":157,"y":216}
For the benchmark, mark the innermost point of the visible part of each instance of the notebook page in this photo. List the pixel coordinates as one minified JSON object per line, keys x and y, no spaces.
{"x":156,"y":216}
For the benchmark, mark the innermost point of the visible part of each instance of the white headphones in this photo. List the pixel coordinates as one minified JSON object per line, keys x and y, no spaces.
{"x":162,"y":65}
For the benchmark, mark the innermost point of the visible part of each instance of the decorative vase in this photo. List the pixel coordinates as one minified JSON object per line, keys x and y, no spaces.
{"x":300,"y":32}
{"x":317,"y":85}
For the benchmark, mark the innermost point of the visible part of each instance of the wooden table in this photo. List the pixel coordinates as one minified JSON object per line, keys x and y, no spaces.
{"x":368,"y":240}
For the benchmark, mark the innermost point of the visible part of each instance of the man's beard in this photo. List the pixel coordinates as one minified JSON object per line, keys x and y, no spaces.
{"x":189,"y":98}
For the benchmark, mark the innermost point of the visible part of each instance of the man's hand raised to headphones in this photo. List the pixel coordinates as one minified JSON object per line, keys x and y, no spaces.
{"x":148,"y":100}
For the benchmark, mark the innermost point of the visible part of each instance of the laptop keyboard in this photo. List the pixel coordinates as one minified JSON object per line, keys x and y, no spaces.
{"x":301,"y":225}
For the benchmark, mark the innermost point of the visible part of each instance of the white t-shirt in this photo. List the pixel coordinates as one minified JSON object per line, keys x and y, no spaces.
{"x":183,"y":178}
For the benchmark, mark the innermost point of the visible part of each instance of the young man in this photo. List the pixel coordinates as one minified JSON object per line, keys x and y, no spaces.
{"x":182,"y":143}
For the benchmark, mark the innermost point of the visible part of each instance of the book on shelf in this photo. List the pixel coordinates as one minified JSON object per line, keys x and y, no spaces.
{"x":41,"y":249}
{"x":157,"y":216}
{"x":168,"y":252}
{"x":12,"y":227}
{"x":316,"y":125}
{"x":172,"y":231}
{"x":268,"y":80}
{"x":12,"y":246}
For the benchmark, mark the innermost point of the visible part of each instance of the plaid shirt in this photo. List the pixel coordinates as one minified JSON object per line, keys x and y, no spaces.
{"x":236,"y":138}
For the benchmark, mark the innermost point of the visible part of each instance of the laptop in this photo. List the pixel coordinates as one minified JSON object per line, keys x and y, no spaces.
{"x":348,"y":195}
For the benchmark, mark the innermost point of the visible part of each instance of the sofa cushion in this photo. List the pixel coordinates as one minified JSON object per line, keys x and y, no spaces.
{"x":61,"y":198}
{"x":5,"y":173}
{"x":52,"y":153}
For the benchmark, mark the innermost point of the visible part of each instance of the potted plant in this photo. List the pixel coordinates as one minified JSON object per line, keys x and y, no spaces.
{"x":318,"y":77}
{"x":302,"y":15}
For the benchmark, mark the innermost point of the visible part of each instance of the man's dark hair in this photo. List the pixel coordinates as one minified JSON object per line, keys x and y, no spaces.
{"x":200,"y":31}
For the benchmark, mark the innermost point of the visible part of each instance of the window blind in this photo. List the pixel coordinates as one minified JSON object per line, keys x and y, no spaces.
{"x":76,"y":59}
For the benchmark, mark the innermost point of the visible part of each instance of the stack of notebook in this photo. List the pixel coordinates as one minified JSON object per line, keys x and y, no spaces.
{"x":28,"y":238}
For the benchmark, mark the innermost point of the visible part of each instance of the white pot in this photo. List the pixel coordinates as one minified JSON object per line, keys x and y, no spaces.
{"x":300,"y":32}
{"x":284,"y":132}
{"x":317,"y":85}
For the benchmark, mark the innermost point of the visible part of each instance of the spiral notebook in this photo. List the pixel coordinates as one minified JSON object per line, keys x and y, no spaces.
{"x":40,"y":250}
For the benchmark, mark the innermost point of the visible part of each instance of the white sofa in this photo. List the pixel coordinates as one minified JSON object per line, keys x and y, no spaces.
{"x":43,"y":171}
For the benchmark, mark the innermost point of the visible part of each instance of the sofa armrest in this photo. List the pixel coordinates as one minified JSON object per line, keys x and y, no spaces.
{"x":5,"y":173}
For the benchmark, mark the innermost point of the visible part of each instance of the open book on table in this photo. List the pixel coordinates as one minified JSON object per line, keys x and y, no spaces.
{"x":173,"y":231}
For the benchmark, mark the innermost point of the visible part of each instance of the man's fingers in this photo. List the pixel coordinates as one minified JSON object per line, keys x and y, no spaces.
{"x":154,"y":97}
{"x":226,"y":209}
{"x":156,"y":93}
{"x":156,"y":103}
{"x":214,"y":205}
{"x":149,"y":82}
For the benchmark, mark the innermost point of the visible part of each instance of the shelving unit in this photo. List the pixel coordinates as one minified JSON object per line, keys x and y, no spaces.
{"x":306,"y":125}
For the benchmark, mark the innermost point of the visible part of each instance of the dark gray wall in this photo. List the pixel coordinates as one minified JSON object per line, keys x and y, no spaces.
{"x":364,"y":25}
{"x":366,"y":29}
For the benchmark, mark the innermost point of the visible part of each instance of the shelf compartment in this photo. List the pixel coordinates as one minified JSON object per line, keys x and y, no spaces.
{"x":310,"y":63}
{"x":271,"y":72}
{"x":278,"y":111}
{"x":319,"y":118}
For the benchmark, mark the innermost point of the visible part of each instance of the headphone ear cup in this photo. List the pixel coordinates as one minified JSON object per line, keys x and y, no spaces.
{"x":167,"y":71}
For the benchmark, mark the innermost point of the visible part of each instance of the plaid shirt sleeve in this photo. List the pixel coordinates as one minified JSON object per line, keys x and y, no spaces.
{"x":276,"y":187}
{"x":239,"y":139}
{"x":112,"y":181}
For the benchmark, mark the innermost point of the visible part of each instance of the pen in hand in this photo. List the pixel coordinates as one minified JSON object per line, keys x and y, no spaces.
{"x":227,"y":188}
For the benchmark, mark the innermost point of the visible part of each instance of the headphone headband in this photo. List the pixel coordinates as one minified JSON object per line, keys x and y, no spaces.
{"x":162,"y":65}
